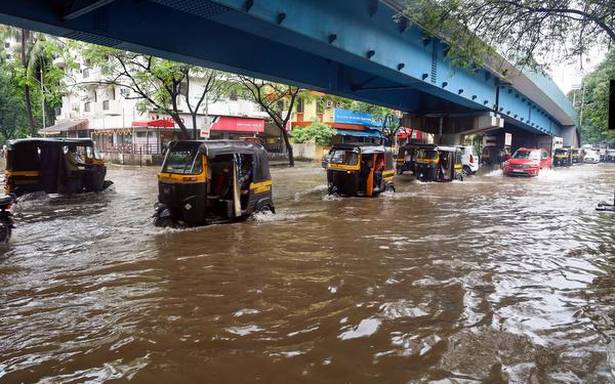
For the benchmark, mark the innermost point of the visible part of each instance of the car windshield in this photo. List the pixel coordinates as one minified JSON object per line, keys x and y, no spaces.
{"x":346,"y":157}
{"x":531,"y":155}
{"x":183,"y":159}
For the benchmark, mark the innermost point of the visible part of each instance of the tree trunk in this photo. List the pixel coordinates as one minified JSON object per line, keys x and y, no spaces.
{"x":289,"y":147}
{"x":194,"y":136}
{"x":28,"y":102}
{"x":26,"y":89}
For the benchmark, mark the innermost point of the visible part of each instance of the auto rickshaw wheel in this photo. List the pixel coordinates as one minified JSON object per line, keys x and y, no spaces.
{"x":164,"y":222}
{"x":467,"y":170}
{"x":265,"y":208}
{"x":5,"y":232}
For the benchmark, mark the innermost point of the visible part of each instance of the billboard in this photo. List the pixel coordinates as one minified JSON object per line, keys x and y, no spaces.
{"x":347,"y":116}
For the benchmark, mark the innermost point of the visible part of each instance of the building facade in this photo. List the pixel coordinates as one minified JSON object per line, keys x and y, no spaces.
{"x":350,"y":125}
{"x":120,"y":122}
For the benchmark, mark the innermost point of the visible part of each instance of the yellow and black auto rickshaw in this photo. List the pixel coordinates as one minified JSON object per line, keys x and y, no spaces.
{"x":439,"y":163}
{"x":562,"y":157}
{"x":575,"y":156}
{"x":213,"y":181}
{"x":406,"y":158}
{"x":53,"y":165}
{"x":360,"y":170}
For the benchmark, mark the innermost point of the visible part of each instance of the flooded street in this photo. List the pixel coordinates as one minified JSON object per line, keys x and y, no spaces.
{"x":492,"y":280}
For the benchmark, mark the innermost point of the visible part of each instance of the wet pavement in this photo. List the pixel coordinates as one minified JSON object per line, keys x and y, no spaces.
{"x":490,"y":280}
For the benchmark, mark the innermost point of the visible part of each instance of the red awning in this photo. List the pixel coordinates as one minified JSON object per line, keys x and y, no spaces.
{"x":238,"y":124}
{"x":157,"y":123}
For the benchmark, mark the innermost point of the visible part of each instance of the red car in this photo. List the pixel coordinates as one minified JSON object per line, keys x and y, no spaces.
{"x":527,"y":162}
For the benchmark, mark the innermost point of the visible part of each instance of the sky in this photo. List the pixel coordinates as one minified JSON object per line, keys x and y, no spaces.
{"x":568,"y":76}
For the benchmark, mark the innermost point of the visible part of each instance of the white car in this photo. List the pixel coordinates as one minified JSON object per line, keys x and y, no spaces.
{"x":591,"y":156}
{"x":469,"y":159}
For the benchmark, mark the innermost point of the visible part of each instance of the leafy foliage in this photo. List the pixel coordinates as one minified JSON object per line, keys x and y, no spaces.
{"x":278,"y":100}
{"x":525,"y":32}
{"x":30,"y":79}
{"x":318,"y":132}
{"x":159,"y":84}
{"x":594,"y":128}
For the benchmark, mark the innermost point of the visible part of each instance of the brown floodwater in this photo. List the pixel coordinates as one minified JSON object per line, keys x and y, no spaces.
{"x":490,"y":280}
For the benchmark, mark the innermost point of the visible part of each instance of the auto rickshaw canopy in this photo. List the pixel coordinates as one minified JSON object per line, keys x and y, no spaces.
{"x":215,"y":148}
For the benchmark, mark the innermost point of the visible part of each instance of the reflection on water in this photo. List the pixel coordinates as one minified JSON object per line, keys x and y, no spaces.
{"x":488,"y":280}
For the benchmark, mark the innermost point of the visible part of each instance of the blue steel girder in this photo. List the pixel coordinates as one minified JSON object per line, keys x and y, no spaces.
{"x":349,"y":48}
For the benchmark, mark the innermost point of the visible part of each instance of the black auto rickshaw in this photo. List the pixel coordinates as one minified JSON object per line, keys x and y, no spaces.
{"x":214,"y":181}
{"x":406,"y":158}
{"x":575,"y":156}
{"x":360,"y":169}
{"x":53,"y":165}
{"x":439,"y":163}
{"x":562,"y":157}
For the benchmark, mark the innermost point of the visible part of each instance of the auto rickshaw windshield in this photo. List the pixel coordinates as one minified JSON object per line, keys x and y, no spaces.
{"x":343,"y":156}
{"x":428,"y":154}
{"x":183,"y":160}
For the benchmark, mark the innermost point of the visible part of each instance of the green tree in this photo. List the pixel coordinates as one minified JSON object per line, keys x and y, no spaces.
{"x":278,"y":100}
{"x":318,"y":132}
{"x":160,"y":84}
{"x":41,"y":81}
{"x":525,"y":32}
{"x":12,"y":114}
{"x":595,"y":101}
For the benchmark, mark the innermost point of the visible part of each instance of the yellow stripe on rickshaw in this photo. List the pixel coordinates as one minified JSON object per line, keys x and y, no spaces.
{"x":22,"y":173}
{"x":167,"y":177}
{"x":261,"y":186}
{"x":388,"y":173}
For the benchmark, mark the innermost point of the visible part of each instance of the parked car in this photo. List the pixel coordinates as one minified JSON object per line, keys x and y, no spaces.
{"x":527,"y":162}
{"x":591,"y":156}
{"x":469,"y":159}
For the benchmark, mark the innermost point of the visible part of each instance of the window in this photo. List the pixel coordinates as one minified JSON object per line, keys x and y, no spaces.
{"x":111,"y":93}
{"x":183,"y":90}
{"x":233,"y":95}
{"x":300,"y":106}
{"x":141,"y":134}
{"x":86,"y":106}
{"x":105,"y":105}
{"x":125,"y":92}
{"x":319,"y":107}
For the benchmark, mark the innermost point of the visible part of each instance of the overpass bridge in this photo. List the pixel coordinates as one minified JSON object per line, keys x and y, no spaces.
{"x":351,"y":48}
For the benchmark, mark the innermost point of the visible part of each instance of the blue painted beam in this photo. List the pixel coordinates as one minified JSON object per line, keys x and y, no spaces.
{"x":349,"y":48}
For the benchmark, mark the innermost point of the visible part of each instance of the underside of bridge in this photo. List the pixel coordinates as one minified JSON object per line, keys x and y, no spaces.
{"x":356,"y":49}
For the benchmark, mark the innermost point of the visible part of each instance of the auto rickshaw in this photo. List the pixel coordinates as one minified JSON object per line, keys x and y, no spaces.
{"x":360,"y":170}
{"x":562,"y":157}
{"x":575,"y":156}
{"x":53,"y":165}
{"x":214,"y":181}
{"x":406,"y":157}
{"x":439,"y":163}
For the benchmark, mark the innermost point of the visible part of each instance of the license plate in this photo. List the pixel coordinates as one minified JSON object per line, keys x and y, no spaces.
{"x":519,"y":171}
